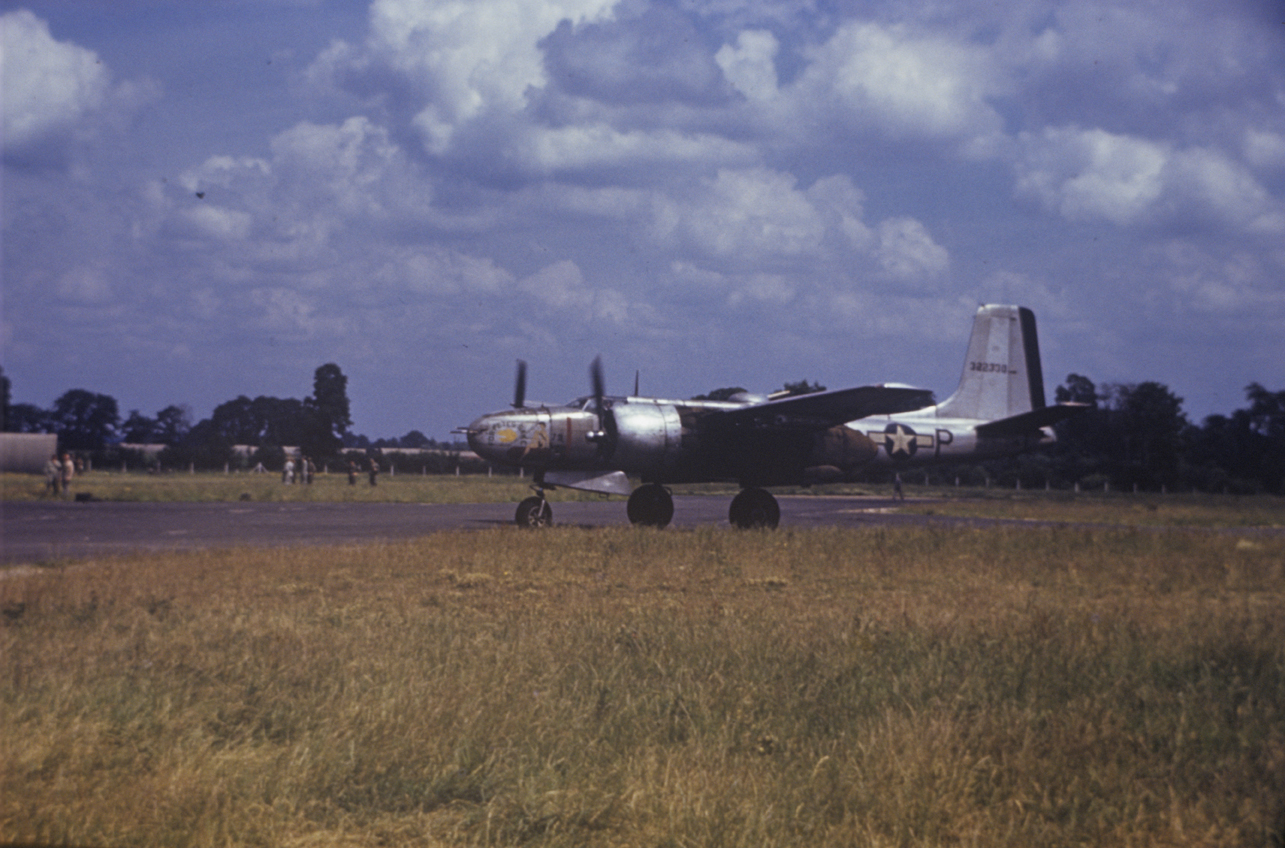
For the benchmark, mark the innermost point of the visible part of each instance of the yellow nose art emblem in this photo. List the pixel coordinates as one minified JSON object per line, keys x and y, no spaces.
{"x":506,"y":436}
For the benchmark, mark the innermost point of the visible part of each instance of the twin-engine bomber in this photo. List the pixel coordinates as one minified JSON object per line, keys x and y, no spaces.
{"x":595,"y":442}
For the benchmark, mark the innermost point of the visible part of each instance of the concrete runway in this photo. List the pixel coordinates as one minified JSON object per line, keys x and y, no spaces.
{"x":48,"y":531}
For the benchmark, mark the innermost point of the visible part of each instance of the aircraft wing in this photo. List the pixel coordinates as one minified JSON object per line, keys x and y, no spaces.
{"x":1027,"y":422}
{"x":822,"y":410}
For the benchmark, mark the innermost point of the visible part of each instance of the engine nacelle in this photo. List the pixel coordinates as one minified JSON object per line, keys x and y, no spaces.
{"x":648,"y":437}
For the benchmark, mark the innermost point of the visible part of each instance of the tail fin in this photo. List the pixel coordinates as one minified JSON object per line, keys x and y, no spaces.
{"x":1002,"y":375}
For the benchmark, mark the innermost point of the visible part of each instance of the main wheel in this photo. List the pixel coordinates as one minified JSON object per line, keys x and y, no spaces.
{"x":534,"y":512}
{"x":754,"y":508}
{"x":650,"y":505}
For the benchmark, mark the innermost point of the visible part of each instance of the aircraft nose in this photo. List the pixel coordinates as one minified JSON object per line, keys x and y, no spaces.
{"x":476,"y":432}
{"x":515,"y":438}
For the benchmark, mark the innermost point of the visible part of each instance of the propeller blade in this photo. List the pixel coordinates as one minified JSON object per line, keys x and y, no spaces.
{"x":595,"y":377}
{"x":637,"y":374}
{"x":519,"y":387}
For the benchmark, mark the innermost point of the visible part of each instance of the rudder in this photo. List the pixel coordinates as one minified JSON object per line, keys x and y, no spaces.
{"x":1002,"y":373}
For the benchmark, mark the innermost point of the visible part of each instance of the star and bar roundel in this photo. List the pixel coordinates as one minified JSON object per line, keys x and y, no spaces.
{"x":900,"y":441}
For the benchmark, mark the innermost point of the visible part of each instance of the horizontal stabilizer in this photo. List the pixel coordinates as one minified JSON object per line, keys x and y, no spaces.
{"x":1028,"y":422}
{"x":822,"y":410}
{"x":610,"y":483}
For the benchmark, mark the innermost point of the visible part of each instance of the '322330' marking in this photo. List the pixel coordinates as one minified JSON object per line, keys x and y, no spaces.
{"x":989,"y":367}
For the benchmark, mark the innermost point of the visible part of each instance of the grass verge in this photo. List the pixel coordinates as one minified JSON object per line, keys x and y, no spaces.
{"x":896,"y":686}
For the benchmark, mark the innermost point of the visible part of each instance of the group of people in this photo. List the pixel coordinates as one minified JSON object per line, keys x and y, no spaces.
{"x":305,"y":470}
{"x":59,"y":474}
{"x":373,"y":470}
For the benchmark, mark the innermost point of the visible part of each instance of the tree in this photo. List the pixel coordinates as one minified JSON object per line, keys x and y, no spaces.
{"x":5,"y":389}
{"x":28,"y":418}
{"x":172,"y":424}
{"x":85,"y":420}
{"x":1150,"y":423}
{"x":1077,"y":389}
{"x":138,"y":429}
{"x":415,"y":439}
{"x":328,"y":414}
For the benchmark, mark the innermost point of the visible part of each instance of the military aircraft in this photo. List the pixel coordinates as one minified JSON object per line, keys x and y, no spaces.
{"x":595,"y":442}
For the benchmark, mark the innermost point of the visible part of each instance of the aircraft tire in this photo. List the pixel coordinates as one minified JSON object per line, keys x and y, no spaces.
{"x":534,"y":513}
{"x":754,"y":509}
{"x":650,"y":505}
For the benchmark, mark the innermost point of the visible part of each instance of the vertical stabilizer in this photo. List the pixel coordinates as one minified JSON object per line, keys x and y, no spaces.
{"x":1002,"y":374}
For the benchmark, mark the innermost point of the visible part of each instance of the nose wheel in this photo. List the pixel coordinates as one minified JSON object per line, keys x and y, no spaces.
{"x":534,"y":513}
{"x":753,"y":509}
{"x":650,"y":505}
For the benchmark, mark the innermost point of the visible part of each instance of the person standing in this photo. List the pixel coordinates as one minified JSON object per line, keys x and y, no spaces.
{"x":68,"y":471}
{"x":53,"y":475}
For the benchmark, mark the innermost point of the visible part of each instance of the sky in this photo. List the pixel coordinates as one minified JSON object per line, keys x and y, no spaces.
{"x":206,"y":200}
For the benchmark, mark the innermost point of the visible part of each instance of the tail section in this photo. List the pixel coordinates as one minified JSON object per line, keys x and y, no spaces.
{"x":1002,"y":374}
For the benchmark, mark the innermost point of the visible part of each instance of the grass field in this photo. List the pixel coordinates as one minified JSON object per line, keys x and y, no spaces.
{"x":899,"y":686}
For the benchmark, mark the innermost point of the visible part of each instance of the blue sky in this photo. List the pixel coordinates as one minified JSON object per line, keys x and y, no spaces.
{"x":207,"y":200}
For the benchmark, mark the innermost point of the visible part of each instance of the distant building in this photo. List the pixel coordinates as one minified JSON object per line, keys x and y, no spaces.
{"x":26,"y":453}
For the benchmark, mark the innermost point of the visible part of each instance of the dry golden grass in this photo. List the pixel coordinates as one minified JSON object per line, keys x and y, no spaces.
{"x":1125,"y":509}
{"x":627,"y":687}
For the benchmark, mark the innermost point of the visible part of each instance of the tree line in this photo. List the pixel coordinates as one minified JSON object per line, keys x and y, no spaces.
{"x":1133,"y":435}
{"x":90,"y":423}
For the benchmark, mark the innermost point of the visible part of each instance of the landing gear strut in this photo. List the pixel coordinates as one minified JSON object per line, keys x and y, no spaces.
{"x":754,"y":508}
{"x":650,"y":505}
{"x":534,"y":512}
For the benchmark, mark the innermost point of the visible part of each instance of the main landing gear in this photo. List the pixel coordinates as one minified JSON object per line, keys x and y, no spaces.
{"x":754,"y":509}
{"x":652,"y":505}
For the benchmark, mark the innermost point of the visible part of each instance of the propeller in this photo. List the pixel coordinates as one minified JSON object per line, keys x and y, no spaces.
{"x":596,"y":379}
{"x":519,"y":387}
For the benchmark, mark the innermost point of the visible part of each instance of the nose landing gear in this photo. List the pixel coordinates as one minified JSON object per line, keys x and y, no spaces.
{"x":534,"y":512}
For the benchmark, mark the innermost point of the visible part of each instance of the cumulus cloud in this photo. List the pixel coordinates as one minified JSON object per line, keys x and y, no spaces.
{"x":50,"y":86}
{"x":465,"y":58}
{"x":751,"y":65}
{"x":891,"y":81}
{"x":1264,"y":148}
{"x":749,"y":217}
{"x":561,"y":286}
{"x":1082,"y":174}
{"x":908,"y":252}
{"x":548,"y":150}
{"x":1086,"y":174}
{"x":57,"y":93}
{"x":439,"y":271}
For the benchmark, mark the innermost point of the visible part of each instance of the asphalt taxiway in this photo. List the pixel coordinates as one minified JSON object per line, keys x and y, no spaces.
{"x":50,"y":531}
{"x":58,"y":531}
